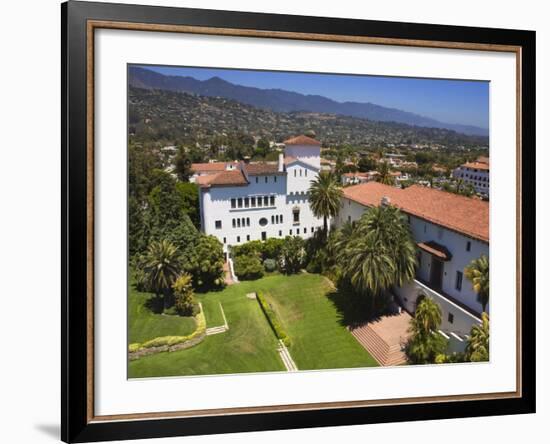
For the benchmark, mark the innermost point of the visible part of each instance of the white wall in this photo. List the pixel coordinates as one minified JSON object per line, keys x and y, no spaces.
{"x":424,"y":231}
{"x":37,"y":371}
{"x":290,"y":192}
{"x":309,"y":153}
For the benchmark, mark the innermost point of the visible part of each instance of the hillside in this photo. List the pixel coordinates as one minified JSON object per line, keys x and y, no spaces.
{"x":180,"y":117}
{"x":279,"y":100}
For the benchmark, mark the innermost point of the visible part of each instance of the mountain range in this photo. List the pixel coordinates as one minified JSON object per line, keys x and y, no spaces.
{"x":279,"y":100}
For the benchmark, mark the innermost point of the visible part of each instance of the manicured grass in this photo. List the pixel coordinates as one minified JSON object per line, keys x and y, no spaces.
{"x":306,"y":307}
{"x":144,"y":324}
{"x":307,"y":311}
{"x":248,"y":346}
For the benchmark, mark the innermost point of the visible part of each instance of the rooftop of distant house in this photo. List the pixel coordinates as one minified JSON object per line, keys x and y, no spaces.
{"x":481,"y":163}
{"x":302,"y":140}
{"x":466,"y":215}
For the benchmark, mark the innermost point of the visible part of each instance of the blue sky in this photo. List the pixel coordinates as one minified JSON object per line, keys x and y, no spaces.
{"x":451,"y":101}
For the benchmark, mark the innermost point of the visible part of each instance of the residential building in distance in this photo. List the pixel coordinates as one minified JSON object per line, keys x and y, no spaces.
{"x":476,"y":174}
{"x":245,"y":201}
{"x":450,"y":231}
{"x":356,"y":178}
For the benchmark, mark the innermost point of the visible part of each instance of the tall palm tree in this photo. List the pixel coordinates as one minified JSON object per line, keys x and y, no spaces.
{"x":425,"y":344}
{"x":325,"y":194}
{"x":161,"y":266}
{"x":384,"y":174}
{"x":478,"y":273}
{"x":380,"y":252}
{"x":478,"y":342}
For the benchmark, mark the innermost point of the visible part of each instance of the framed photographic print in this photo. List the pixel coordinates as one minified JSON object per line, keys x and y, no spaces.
{"x":276,"y":221}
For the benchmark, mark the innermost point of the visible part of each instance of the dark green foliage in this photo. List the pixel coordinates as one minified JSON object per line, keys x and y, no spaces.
{"x":182,"y":163}
{"x":248,"y":268}
{"x":366,"y":163}
{"x":293,"y":255}
{"x":271,"y":248}
{"x":270,"y":265}
{"x":205,"y":263}
{"x":189,"y":199}
{"x":273,"y":320}
{"x":252,"y":248}
{"x":477,"y":349}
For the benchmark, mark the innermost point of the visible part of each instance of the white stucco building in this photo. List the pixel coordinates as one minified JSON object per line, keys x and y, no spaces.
{"x":476,"y":174}
{"x":450,"y":231}
{"x":245,"y":201}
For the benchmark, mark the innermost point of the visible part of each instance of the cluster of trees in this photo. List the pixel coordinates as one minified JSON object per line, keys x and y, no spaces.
{"x":254,"y":258}
{"x":169,"y":255}
{"x":427,"y":346}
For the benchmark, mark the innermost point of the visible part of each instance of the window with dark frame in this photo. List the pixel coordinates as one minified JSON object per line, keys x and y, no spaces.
{"x":468,"y":246}
{"x":218,"y":225}
{"x":458,"y":283}
{"x":233,"y":203}
{"x":451,"y":318}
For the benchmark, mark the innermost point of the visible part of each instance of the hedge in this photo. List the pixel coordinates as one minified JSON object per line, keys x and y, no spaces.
{"x":172,"y":340}
{"x":273,"y":320}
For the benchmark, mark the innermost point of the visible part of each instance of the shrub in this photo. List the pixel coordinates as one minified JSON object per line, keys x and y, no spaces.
{"x":248,"y":267}
{"x":270,"y":265}
{"x":252,"y":248}
{"x":273,"y":320}
{"x":205,"y":263}
{"x":183,"y":295}
{"x":271,"y":248}
{"x":293,"y":255}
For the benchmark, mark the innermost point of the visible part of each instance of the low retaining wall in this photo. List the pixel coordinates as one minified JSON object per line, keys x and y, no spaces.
{"x":170,"y":343}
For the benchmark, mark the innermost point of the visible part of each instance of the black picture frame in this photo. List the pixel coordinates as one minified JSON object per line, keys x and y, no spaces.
{"x":76,"y":423}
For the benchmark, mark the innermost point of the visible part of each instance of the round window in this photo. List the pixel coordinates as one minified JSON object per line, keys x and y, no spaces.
{"x":263,"y":221}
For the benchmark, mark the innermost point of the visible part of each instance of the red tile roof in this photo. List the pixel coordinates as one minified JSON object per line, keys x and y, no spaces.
{"x":477,"y":165}
{"x":465,"y":215}
{"x":262,"y":168}
{"x":302,"y":140}
{"x":208,"y":167}
{"x":223,"y":178}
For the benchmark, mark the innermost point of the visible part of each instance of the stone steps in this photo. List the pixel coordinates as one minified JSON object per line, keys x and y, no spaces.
{"x":287,"y":359}
{"x":385,"y":354}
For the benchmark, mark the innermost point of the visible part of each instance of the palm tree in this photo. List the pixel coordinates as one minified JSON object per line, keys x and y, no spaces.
{"x":425,"y":344}
{"x":325,"y":193}
{"x":380,"y":252}
{"x":478,"y":273}
{"x":427,"y":316}
{"x":161,"y":267}
{"x":478,"y":342}
{"x":384,"y":174}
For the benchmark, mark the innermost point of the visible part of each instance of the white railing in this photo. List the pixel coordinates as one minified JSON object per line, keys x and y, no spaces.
{"x":462,"y":319}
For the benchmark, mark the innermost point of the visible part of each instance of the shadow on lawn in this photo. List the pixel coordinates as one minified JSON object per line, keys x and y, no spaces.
{"x":353,"y":309}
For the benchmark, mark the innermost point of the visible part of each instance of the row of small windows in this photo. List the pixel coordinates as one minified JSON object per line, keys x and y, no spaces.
{"x":472,"y":177}
{"x":253,"y":202}
{"x":300,"y":171}
{"x":291,"y":232}
{"x":266,"y":179}
{"x":245,"y":221}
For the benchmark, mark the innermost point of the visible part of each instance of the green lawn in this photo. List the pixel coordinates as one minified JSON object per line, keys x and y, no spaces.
{"x":315,"y":325}
{"x":248,"y":346}
{"x":307,"y":310}
{"x":144,"y":324}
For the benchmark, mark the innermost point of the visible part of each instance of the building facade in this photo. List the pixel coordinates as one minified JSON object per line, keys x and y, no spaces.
{"x":450,"y":231}
{"x":475,"y":174}
{"x":246,"y":201}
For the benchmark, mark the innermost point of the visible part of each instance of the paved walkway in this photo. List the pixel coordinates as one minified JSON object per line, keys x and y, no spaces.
{"x":287,"y":359}
{"x":228,"y":279}
{"x":385,"y":338}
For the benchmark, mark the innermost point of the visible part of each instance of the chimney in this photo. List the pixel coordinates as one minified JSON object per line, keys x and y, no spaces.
{"x":246,"y":159}
{"x":385,"y":201}
{"x":281,"y":162}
